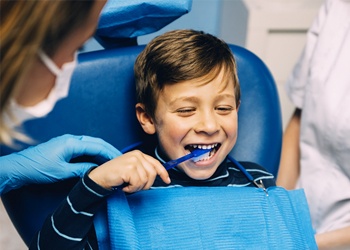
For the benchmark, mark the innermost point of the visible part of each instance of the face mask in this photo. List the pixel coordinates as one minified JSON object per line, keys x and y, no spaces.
{"x":41,"y":109}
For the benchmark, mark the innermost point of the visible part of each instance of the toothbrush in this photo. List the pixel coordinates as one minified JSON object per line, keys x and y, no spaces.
{"x":198,"y":154}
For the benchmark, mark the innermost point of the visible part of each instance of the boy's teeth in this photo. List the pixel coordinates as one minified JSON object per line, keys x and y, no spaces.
{"x":203,"y":157}
{"x":204,"y":146}
{"x":206,"y":156}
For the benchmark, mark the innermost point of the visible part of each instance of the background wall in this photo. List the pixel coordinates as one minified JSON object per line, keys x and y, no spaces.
{"x":272,"y":29}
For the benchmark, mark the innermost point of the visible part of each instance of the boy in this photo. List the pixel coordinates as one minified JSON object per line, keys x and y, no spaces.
{"x":188,"y":95}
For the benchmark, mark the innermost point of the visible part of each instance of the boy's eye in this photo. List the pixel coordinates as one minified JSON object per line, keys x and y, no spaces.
{"x":224,"y":109}
{"x":185,"y":111}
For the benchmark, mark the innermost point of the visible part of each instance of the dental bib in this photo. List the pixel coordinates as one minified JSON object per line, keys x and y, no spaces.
{"x":206,"y":218}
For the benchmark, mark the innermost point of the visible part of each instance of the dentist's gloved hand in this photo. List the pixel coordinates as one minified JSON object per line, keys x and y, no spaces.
{"x":51,"y":161}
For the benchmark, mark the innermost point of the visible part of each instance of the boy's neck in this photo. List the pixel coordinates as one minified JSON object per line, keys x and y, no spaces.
{"x":161,"y":156}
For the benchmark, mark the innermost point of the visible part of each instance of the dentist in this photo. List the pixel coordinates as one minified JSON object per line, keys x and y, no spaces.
{"x":39,"y":41}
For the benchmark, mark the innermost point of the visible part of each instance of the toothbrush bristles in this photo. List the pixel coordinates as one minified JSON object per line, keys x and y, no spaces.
{"x":200,"y":154}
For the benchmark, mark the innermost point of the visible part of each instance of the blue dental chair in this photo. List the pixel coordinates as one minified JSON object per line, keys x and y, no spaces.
{"x":101,"y":103}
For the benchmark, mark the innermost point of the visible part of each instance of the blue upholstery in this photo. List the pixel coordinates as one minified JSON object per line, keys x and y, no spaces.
{"x":101,"y":103}
{"x":123,"y":21}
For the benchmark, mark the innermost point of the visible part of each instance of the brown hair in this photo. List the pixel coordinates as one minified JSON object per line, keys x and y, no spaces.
{"x":177,"y":56}
{"x":27,"y":26}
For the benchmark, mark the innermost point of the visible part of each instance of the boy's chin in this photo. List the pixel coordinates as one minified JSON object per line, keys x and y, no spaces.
{"x":199,"y":174}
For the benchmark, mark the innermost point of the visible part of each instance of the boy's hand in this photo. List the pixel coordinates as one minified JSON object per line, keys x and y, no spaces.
{"x":135,"y":168}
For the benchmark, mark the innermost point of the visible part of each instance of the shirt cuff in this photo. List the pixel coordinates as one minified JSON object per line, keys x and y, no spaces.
{"x":94,"y":187}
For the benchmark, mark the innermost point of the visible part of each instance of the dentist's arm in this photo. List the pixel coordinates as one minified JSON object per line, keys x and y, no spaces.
{"x":289,"y":168}
{"x":51,"y":161}
{"x":336,"y":240}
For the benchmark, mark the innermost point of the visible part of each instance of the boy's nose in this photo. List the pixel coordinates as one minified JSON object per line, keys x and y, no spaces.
{"x":207,"y":123}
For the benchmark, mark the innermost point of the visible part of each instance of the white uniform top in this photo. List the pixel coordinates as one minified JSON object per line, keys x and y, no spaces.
{"x":320,"y":86}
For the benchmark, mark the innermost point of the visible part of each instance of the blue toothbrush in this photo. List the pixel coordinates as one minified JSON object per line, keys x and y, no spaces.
{"x":196,"y":153}
{"x":173,"y":163}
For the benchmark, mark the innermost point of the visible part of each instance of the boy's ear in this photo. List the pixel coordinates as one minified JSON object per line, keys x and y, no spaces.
{"x":238,"y":105}
{"x":145,"y":120}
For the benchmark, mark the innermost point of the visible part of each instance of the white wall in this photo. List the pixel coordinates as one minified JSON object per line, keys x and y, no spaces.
{"x":275,"y":30}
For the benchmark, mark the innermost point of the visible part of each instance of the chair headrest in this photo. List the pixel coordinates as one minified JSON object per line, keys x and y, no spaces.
{"x":123,"y":21}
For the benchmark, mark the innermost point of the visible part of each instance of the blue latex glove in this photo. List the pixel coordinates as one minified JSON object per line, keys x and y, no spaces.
{"x":50,"y":161}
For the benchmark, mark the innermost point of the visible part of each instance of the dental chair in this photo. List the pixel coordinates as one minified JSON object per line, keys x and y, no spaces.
{"x":101,"y":103}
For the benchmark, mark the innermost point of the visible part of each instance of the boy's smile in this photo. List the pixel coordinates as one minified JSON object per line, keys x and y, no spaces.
{"x":197,"y":114}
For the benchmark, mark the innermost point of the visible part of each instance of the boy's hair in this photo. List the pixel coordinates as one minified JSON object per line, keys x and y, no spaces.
{"x":178,"y":56}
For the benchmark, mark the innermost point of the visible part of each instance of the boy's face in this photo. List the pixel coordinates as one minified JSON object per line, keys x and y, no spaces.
{"x":193,"y":113}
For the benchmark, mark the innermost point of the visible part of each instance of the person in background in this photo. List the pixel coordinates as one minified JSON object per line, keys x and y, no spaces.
{"x":316,"y":146}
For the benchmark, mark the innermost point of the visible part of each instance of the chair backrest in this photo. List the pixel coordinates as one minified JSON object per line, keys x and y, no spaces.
{"x":101,"y":103}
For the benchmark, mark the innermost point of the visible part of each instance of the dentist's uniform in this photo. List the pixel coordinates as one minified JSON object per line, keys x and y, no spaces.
{"x":320,"y":87}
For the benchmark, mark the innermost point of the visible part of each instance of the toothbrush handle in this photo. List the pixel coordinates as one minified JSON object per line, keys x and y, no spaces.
{"x":173,"y":163}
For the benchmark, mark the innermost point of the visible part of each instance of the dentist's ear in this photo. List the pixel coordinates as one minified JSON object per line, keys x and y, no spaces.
{"x":144,"y":119}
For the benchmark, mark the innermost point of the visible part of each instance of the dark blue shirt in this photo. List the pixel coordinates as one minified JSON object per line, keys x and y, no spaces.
{"x":71,"y":225}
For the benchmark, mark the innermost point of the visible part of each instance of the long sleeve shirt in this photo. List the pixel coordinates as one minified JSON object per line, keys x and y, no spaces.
{"x":71,"y":225}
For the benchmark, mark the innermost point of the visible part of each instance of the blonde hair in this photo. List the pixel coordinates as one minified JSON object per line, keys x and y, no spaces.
{"x":27,"y":26}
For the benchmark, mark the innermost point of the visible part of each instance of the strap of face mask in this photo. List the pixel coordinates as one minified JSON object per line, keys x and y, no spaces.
{"x":49,"y":63}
